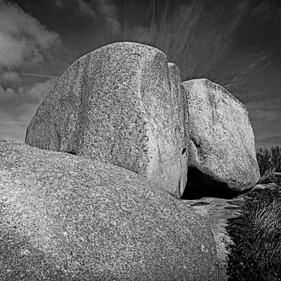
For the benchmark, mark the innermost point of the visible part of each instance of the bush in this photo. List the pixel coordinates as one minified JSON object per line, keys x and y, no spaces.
{"x":256,"y":252}
{"x":269,"y":161}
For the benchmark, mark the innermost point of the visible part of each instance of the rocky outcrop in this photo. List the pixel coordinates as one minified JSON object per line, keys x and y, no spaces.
{"x":63,"y":217}
{"x":107,"y":212}
{"x":124,"y":104}
{"x":121,"y":104}
{"x":222,"y":158}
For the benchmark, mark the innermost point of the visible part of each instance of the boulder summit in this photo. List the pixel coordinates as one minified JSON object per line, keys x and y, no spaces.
{"x":122,"y":104}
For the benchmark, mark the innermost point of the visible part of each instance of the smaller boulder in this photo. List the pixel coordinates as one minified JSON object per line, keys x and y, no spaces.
{"x":222,"y":157}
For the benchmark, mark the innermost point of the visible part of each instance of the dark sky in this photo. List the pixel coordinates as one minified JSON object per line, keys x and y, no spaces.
{"x":235,"y":43}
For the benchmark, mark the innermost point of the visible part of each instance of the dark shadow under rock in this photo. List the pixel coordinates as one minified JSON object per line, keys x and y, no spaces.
{"x":202,"y":185}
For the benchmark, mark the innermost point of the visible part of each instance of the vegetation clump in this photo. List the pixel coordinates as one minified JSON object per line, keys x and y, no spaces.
{"x":256,"y":233}
{"x":269,"y":161}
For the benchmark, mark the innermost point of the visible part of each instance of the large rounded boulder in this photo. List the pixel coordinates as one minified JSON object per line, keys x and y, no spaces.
{"x":122,"y":104}
{"x":63,"y":217}
{"x":222,"y":157}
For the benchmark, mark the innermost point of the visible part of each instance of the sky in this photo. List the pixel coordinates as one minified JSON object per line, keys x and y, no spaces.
{"x":236,"y":43}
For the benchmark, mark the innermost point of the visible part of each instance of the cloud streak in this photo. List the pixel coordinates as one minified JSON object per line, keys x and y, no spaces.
{"x":38,"y":75}
{"x":196,"y":35}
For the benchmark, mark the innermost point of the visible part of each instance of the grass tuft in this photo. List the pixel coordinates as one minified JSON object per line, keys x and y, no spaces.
{"x":256,"y":233}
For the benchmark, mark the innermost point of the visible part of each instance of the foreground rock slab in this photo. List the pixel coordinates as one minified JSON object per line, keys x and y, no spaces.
{"x":122,"y":104}
{"x":63,"y":217}
{"x":222,"y":157}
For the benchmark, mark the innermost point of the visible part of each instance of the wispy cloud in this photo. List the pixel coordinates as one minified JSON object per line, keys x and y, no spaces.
{"x":109,"y":11}
{"x":194,"y":34}
{"x":24,"y":44}
{"x":103,"y":11}
{"x":22,"y":36}
{"x":85,"y":8}
{"x":23,"y":41}
{"x":239,"y":68}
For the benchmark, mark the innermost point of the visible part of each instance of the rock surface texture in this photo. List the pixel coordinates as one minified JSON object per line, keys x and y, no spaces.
{"x":222,"y":157}
{"x":63,"y":217}
{"x":122,"y":104}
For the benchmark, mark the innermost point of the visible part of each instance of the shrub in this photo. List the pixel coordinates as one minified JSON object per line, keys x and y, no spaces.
{"x":269,"y":161}
{"x":256,"y":233}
